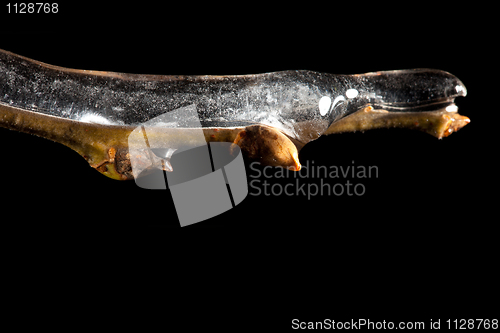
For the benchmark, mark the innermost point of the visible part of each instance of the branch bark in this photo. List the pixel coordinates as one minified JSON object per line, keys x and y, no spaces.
{"x":440,"y":123}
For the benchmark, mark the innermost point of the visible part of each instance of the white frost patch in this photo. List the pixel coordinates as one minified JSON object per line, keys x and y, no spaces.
{"x":452,"y":108}
{"x":268,"y":119}
{"x":460,"y":88}
{"x":95,"y":119}
{"x":170,"y":124}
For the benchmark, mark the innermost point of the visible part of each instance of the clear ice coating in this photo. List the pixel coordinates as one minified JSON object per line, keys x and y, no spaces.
{"x":302,"y":104}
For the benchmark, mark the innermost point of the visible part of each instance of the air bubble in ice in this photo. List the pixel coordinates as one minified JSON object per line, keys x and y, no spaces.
{"x":324,"y":105}
{"x":351,"y":93}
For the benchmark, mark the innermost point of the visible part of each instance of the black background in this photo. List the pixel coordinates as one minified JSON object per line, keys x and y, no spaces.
{"x":429,"y":208}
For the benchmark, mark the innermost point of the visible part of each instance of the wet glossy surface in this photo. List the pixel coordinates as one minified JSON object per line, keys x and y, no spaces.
{"x":286,"y":100}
